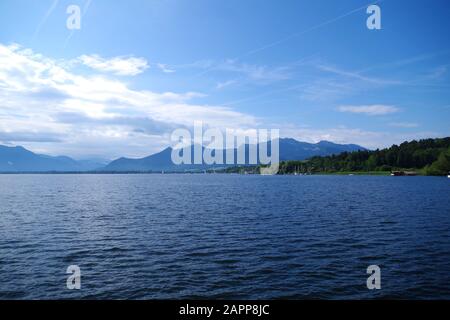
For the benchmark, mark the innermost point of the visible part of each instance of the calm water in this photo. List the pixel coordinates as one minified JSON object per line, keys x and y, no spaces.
{"x":223,"y":236}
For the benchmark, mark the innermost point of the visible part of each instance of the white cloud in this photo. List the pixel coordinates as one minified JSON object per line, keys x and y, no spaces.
{"x":371,"y":110}
{"x":89,"y":114}
{"x":48,"y":107}
{"x":124,"y":66}
{"x":164,"y":68}
{"x":366,"y":138}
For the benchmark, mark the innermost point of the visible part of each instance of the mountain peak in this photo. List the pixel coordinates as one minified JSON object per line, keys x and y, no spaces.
{"x":325,"y":142}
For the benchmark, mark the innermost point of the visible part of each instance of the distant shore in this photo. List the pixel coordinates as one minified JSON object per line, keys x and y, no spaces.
{"x":344,"y":173}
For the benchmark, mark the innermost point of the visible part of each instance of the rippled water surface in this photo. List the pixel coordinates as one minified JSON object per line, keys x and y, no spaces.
{"x":223,"y":236}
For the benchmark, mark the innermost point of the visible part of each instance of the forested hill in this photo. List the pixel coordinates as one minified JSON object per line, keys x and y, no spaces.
{"x":428,"y":156}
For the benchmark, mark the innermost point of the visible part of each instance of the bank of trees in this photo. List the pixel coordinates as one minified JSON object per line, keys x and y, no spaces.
{"x":429,"y":156}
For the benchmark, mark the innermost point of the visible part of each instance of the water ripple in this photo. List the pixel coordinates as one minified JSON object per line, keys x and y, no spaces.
{"x":223,"y":236}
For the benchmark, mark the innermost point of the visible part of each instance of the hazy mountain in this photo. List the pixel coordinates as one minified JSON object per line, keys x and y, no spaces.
{"x":290,"y":149}
{"x":19,"y":159}
{"x":158,"y":161}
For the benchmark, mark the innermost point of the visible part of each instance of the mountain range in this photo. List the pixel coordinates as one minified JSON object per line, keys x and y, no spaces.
{"x":19,"y":159}
{"x":290,"y":149}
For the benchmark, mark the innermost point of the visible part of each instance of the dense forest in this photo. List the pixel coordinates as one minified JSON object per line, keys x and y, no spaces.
{"x":429,"y":157}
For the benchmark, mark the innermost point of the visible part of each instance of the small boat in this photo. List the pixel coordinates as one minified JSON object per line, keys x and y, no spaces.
{"x":403,"y":173}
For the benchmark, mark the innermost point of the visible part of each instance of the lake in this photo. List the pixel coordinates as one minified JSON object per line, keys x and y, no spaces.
{"x":224,"y":236}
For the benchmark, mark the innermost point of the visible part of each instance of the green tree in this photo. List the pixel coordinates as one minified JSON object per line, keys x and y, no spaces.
{"x":442,"y":165}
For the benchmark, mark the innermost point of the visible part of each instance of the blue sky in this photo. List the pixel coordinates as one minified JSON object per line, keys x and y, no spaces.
{"x":137,"y":70}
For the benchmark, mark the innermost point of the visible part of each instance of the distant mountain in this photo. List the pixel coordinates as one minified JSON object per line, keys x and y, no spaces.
{"x":290,"y":149}
{"x":156,"y":162}
{"x":19,"y":159}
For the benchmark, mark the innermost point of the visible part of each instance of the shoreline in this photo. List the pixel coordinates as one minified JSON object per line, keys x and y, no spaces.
{"x":358,"y":173}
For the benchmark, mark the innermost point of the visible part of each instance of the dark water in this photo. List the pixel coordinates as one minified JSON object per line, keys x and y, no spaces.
{"x":223,"y":236}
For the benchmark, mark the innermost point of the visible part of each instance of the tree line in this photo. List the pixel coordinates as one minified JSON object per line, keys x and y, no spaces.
{"x":428,"y":156}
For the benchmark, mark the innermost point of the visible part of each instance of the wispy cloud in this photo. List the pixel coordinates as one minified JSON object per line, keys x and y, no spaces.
{"x":326,"y":90}
{"x":438,"y":72}
{"x":124,"y":66}
{"x":225,"y":84}
{"x":407,"y":61}
{"x":357,"y":75}
{"x":248,"y":72}
{"x":294,"y":35}
{"x":164,"y":68}
{"x":6,"y":137}
{"x":334,"y":83}
{"x":253,"y":72}
{"x":366,"y":138}
{"x":44,"y":20}
{"x":404,"y":124}
{"x":415,"y":80}
{"x":370,"y":110}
